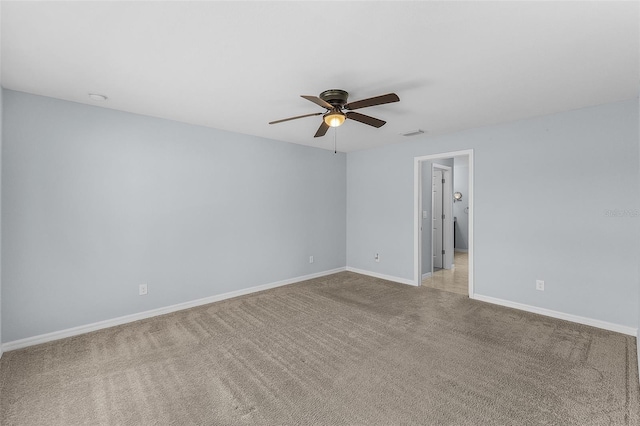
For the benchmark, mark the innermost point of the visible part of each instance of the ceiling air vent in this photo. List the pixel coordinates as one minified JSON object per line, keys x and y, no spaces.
{"x":413,"y":132}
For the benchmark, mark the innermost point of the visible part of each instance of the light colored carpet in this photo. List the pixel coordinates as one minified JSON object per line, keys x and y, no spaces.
{"x":342,"y":349}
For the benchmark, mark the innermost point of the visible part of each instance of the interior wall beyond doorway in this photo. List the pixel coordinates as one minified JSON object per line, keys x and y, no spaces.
{"x":461,"y":208}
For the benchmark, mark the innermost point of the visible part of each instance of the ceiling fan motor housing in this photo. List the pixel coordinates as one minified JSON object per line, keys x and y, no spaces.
{"x":335,"y":97}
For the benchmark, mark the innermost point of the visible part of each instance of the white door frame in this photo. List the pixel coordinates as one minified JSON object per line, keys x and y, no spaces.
{"x":447,"y":210}
{"x":417,"y":215}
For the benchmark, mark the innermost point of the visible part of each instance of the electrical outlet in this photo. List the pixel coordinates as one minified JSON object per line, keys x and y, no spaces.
{"x":377,"y":257}
{"x":540,"y":285}
{"x":142,"y":289}
{"x":310,"y":259}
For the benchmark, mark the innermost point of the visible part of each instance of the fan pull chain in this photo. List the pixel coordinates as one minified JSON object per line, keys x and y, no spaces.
{"x":335,"y":144}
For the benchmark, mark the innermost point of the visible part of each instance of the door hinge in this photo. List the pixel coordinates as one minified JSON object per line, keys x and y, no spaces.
{"x":442,"y":217}
{"x":442,"y":251}
{"x":442,"y":180}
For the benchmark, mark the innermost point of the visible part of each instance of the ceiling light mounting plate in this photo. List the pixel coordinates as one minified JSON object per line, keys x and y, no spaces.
{"x":336,"y":97}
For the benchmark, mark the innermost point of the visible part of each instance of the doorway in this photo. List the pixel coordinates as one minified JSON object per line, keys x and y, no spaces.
{"x":425,"y":220}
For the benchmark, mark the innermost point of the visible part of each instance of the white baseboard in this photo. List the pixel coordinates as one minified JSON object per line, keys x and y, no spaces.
{"x":461,"y":250}
{"x":427,"y":275}
{"x":382,"y":276}
{"x":559,"y":315}
{"x":56,"y":335}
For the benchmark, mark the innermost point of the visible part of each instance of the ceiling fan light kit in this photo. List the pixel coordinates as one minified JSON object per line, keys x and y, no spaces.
{"x":335,"y":102}
{"x":334,"y":118}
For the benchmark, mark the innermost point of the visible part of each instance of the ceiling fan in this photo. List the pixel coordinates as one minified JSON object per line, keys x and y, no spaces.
{"x":335,"y":102}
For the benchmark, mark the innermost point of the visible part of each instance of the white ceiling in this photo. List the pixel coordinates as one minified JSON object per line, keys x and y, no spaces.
{"x":238,"y":65}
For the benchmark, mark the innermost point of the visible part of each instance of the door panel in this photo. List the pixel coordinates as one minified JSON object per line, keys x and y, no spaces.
{"x":437,"y":219}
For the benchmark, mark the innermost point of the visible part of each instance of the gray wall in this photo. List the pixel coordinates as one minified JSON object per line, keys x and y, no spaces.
{"x":542,"y":189}
{"x":461,"y":184}
{"x":97,"y":201}
{"x":427,"y":224}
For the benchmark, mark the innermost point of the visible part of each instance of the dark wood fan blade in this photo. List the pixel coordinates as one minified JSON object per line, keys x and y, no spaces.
{"x":322,"y":130}
{"x":377,"y":100}
{"x":366,"y":119}
{"x":295,"y":118}
{"x":318,"y":101}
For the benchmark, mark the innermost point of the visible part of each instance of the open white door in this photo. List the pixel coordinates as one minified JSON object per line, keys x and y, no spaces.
{"x":442,"y":214}
{"x":436,"y":216}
